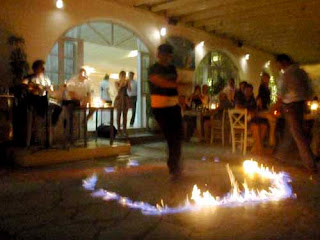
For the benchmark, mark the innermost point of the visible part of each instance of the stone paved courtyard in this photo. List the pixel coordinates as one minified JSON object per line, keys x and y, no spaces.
{"x":50,"y":203}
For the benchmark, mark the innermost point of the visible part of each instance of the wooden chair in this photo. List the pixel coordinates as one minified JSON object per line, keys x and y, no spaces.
{"x":239,"y":128}
{"x":219,"y":126}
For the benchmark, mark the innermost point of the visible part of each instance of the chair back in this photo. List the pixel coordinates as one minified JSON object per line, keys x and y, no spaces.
{"x":239,"y":123}
{"x":238,"y":118}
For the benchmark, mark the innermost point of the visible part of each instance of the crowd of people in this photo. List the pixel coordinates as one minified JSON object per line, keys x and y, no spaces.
{"x":40,"y":98}
{"x":230,"y":97}
{"x":168,"y":107}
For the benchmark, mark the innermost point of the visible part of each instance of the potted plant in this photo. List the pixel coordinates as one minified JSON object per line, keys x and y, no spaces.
{"x":18,"y":59}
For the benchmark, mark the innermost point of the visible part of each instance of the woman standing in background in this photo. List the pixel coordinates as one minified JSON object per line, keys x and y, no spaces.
{"x":122,"y":102}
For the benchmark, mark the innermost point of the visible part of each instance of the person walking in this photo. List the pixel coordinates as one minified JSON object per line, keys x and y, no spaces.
{"x":165,"y":105}
{"x":293,"y":90}
{"x":132,"y":93}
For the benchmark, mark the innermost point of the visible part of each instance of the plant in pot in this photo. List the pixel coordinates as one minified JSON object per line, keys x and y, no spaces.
{"x":18,"y":59}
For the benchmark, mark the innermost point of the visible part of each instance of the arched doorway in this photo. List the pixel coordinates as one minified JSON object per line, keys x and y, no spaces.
{"x":214,"y":70}
{"x":103,"y":48}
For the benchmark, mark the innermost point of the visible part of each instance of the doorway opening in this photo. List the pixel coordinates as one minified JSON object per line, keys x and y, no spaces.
{"x":102,"y":48}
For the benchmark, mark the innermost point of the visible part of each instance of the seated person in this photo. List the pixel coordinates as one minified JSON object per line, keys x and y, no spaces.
{"x":239,"y":94}
{"x":263,"y":98}
{"x":205,"y":95}
{"x":230,"y":90}
{"x":79,"y":88}
{"x":196,"y":97}
{"x":224,"y":102}
{"x":189,"y":122}
{"x":39,"y":88}
{"x":257,"y":125}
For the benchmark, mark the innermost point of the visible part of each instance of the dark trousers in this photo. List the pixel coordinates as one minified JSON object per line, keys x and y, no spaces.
{"x":293,"y":114}
{"x":170,"y":122}
{"x":133,"y":101}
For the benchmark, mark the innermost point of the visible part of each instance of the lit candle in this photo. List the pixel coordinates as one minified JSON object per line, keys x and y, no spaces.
{"x":213,"y":106}
{"x":314,"y":106}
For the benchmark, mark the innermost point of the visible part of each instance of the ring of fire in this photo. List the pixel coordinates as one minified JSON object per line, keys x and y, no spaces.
{"x":280,"y":189}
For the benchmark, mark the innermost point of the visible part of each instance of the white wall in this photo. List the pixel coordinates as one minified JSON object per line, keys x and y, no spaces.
{"x":41,"y":24}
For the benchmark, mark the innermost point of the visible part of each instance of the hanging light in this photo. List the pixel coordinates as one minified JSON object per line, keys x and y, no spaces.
{"x":201,"y":44}
{"x":163,"y":31}
{"x":59,"y":4}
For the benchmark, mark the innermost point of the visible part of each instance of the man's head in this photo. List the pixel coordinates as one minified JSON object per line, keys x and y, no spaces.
{"x":265,"y":78}
{"x":122,"y":75}
{"x":197,"y":89}
{"x":82,"y":74}
{"x":248,"y":91}
{"x":182,"y":99}
{"x":205,"y":89}
{"x":231,"y":82}
{"x":243,"y":86}
{"x":283,"y":61}
{"x":106,"y":77}
{"x":38,"y":67}
{"x":165,"y":52}
{"x":131,"y":75}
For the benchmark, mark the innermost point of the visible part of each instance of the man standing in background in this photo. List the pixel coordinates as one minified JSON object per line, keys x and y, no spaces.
{"x":132,"y":93}
{"x":104,"y":90}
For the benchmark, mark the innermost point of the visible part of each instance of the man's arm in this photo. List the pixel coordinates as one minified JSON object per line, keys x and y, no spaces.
{"x":160,"y":81}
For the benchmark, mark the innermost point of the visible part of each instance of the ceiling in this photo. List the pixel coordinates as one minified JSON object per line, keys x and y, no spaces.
{"x":107,"y":34}
{"x":275,"y":26}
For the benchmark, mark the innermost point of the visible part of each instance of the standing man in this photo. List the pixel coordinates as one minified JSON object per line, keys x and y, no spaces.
{"x":104,"y":90}
{"x":132,"y":93}
{"x":293,"y":90}
{"x":165,"y":105}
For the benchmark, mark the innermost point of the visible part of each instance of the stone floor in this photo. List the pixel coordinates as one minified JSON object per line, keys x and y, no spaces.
{"x":50,"y":203}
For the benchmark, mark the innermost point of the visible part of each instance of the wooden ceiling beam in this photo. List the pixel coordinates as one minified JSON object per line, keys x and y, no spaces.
{"x":256,"y":10}
{"x":172,"y":4}
{"x":138,"y":3}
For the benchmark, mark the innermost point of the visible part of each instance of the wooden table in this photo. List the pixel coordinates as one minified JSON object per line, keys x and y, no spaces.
{"x":96,"y":109}
{"x":199,"y":115}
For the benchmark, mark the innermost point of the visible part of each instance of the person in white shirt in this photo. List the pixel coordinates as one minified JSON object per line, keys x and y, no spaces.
{"x":230,"y":90}
{"x":294,"y":88}
{"x":79,"y":88}
{"x":104,"y":90}
{"x":132,"y":93}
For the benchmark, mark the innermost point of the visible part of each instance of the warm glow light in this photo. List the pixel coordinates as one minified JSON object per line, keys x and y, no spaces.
{"x":213,"y":106}
{"x":275,"y":112}
{"x":267,"y":65}
{"x":59,"y":4}
{"x":215,"y":58}
{"x":133,"y":53}
{"x":163,"y":31}
{"x":89,"y":70}
{"x":279,"y":189}
{"x":97,"y":102}
{"x":314,"y":106}
{"x":247,"y":57}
